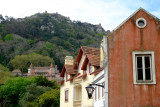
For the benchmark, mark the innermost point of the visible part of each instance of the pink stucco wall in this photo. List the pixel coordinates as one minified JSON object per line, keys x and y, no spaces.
{"x":121,"y":44}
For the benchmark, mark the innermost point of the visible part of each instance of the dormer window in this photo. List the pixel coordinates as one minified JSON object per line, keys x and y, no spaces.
{"x":66,"y":76}
{"x":90,"y":68}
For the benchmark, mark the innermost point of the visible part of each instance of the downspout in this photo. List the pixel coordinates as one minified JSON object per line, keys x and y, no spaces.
{"x":105,"y":47}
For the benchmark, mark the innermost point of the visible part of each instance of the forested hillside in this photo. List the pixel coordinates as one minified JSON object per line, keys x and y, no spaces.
{"x":47,"y":34}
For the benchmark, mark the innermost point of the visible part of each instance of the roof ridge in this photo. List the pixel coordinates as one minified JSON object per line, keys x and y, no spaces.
{"x":90,"y":47}
{"x":140,"y":8}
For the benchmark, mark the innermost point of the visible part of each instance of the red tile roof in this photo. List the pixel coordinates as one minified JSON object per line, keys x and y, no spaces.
{"x":88,"y":51}
{"x":92,"y":56}
{"x":69,"y":69}
{"x":16,"y":71}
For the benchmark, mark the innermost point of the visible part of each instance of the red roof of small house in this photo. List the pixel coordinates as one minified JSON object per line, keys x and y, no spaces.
{"x":16,"y":71}
{"x":69,"y":69}
{"x":93,"y":55}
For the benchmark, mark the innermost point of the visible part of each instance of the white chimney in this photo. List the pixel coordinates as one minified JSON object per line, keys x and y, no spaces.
{"x":69,"y":60}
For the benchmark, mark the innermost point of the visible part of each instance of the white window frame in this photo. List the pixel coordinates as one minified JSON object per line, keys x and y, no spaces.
{"x":90,"y":68}
{"x":134,"y":54}
{"x":67,"y":90}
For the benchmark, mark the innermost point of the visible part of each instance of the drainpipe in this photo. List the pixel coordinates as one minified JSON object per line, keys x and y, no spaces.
{"x":105,"y":47}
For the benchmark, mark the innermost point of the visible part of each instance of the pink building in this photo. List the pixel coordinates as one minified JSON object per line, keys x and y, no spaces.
{"x":49,"y":72}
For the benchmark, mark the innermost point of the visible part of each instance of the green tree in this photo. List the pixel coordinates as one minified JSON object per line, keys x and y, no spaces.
{"x":3,"y":68}
{"x":49,"y":45}
{"x":49,"y":98}
{"x":22,"y":62}
{"x":8,"y":37}
{"x":43,"y":81}
{"x":32,"y":92}
{"x":4,"y":76}
{"x":1,"y":39}
{"x":11,"y":91}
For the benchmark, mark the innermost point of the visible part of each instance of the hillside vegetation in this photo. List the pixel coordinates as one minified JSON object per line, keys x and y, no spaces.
{"x":4,"y":74}
{"x":47,"y":34}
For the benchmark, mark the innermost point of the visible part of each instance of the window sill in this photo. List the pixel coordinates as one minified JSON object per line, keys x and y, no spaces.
{"x":145,"y":82}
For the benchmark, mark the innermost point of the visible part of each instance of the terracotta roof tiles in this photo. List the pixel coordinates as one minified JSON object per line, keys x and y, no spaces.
{"x":93,"y":55}
{"x":69,"y":69}
{"x":16,"y":71}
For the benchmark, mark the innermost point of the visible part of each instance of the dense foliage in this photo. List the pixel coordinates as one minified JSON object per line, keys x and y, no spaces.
{"x":47,"y":34}
{"x":20,"y":91}
{"x":47,"y":99}
{"x":4,"y":74}
{"x":12,"y":90}
{"x":32,"y":92}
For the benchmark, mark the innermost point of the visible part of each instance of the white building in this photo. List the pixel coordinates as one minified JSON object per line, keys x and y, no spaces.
{"x":98,"y":96}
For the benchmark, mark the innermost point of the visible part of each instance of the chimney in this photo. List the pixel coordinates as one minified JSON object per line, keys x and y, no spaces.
{"x":69,"y":60}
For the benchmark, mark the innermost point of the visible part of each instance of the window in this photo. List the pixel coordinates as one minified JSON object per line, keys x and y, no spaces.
{"x":99,"y":92}
{"x":141,"y":22}
{"x":90,"y":68}
{"x":144,"y":68}
{"x":66,"y":76}
{"x":95,"y":94}
{"x":66,"y":96}
{"x":102,"y":90}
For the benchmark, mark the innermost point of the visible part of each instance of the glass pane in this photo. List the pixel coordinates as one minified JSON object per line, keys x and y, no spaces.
{"x":139,"y":62}
{"x":140,"y":74}
{"x":147,"y":61}
{"x":141,"y":23}
{"x":148,"y":74}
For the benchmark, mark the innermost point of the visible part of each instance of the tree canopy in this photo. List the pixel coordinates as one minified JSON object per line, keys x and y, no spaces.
{"x":22,"y":62}
{"x":8,"y":37}
{"x":29,"y":92}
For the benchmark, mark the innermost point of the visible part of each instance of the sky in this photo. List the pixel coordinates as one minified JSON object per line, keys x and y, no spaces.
{"x":108,"y":13}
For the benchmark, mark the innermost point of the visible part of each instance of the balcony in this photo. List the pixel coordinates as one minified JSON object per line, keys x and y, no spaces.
{"x":77,"y":96}
{"x":77,"y":80}
{"x":77,"y":103}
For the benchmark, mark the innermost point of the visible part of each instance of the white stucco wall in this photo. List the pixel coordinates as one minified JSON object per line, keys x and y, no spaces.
{"x":66,"y":86}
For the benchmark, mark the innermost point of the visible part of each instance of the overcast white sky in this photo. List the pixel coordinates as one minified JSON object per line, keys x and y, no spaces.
{"x":110,"y":13}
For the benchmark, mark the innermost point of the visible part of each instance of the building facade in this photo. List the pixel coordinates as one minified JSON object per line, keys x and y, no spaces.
{"x":77,"y":76}
{"x":132,"y":62}
{"x":49,"y":72}
{"x":17,"y":72}
{"x":98,"y":95}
